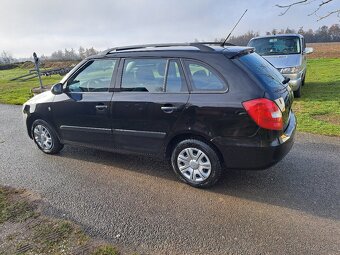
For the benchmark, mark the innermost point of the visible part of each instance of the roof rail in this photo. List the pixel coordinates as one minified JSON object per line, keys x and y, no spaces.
{"x":203,"y":46}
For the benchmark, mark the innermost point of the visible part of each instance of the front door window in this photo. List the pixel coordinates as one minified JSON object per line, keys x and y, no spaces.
{"x":95,"y":76}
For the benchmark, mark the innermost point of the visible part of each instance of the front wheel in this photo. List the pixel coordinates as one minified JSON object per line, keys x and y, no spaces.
{"x":297,"y":93}
{"x":303,"y":81}
{"x":45,"y":137}
{"x":196,"y":163}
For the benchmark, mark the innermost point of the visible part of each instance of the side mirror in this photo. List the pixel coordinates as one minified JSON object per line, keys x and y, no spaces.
{"x":57,"y":89}
{"x":308,"y":50}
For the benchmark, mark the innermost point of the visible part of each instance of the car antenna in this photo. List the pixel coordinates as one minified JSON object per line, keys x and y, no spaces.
{"x":226,"y":39}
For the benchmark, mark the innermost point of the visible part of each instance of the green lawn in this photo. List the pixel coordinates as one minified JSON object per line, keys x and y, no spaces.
{"x":318,"y":110}
{"x":16,"y":92}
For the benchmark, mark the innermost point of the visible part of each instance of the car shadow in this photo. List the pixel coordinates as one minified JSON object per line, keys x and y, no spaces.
{"x":301,"y":181}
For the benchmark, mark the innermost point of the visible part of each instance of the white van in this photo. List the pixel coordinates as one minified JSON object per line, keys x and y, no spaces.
{"x":287,"y":53}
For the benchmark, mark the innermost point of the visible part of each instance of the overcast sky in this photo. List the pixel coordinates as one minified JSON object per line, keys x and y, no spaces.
{"x":45,"y":26}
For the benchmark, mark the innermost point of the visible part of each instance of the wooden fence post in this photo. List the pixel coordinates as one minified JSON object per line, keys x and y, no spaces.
{"x":36,"y":63}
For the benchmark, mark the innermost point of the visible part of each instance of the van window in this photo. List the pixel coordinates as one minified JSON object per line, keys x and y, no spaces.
{"x":276,"y":45}
{"x":204,"y":78}
{"x":267,"y":74}
{"x":95,"y":76}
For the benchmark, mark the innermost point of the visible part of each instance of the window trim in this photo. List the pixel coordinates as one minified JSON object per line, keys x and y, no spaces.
{"x":119,"y":78}
{"x":191,"y":82}
{"x":83,"y":66}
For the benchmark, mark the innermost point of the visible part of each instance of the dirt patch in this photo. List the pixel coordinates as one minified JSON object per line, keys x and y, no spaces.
{"x":58,"y":64}
{"x":27,"y":65}
{"x":38,"y":90}
{"x":325,"y":50}
{"x":25,"y":230}
{"x":332,"y":118}
{"x":48,"y":64}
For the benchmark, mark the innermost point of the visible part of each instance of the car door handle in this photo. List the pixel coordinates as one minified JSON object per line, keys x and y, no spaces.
{"x":101,"y":107}
{"x":169,"y":109}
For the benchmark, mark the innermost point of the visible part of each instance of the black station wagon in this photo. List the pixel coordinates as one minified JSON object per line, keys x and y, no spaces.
{"x":202,"y":106}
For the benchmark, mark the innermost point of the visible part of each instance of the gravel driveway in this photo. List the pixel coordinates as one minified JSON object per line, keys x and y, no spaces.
{"x":137,"y":203}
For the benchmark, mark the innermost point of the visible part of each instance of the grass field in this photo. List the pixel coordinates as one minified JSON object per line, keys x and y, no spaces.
{"x":318,"y":110}
{"x":16,"y":92}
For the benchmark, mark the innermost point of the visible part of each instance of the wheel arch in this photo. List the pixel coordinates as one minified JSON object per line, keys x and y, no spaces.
{"x":36,"y":116}
{"x":185,"y":136}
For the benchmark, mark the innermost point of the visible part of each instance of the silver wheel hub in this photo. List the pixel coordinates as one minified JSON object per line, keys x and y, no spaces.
{"x":194,"y":165}
{"x":43,"y":137}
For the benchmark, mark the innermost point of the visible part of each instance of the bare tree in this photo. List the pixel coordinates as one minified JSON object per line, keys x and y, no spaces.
{"x":316,"y":12}
{"x":81,"y":52}
{"x":6,"y":58}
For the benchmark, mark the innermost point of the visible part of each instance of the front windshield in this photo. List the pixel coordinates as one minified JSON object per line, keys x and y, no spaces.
{"x":276,"y":45}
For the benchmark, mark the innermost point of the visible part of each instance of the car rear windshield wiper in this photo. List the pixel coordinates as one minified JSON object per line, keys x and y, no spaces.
{"x":286,"y":80}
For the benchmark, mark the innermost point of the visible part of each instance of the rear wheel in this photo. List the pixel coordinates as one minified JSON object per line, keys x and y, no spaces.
{"x":45,"y":137}
{"x":196,"y":163}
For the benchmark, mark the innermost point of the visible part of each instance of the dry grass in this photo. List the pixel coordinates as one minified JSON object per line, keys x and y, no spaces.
{"x":25,"y":230}
{"x":325,"y":50}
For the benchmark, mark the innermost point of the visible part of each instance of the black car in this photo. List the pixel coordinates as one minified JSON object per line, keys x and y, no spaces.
{"x":204,"y":107}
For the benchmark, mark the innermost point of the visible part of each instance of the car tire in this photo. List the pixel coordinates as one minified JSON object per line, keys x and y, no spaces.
{"x":45,"y":137}
{"x":196,"y":163}
{"x":303,"y":81}
{"x":297,"y":93}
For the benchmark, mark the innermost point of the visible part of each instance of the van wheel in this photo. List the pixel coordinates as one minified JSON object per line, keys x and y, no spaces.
{"x":196,"y":163}
{"x":45,"y":137}
{"x":297,"y":93}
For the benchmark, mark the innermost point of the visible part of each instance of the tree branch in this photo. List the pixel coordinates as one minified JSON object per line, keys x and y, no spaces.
{"x":329,"y":14}
{"x":288,"y":6}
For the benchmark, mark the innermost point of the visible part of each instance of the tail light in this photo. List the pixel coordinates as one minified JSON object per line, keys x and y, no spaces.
{"x":265,"y":113}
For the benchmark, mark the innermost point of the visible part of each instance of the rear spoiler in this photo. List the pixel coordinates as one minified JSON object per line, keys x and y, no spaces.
{"x":233,"y":52}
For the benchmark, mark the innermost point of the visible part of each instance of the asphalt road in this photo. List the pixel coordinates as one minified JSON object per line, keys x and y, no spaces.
{"x":137,"y":203}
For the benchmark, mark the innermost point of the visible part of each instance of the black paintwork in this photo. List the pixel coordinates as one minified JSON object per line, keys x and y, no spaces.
{"x":134,"y":122}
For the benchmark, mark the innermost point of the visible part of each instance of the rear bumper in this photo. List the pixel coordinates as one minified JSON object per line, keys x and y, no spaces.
{"x":256,"y":152}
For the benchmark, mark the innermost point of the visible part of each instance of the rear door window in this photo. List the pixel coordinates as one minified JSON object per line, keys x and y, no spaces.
{"x":204,"y":78}
{"x":153,"y":75}
{"x":144,"y":75}
{"x":175,"y":81}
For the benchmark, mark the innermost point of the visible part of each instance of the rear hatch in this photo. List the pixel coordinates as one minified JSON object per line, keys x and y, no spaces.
{"x":272,"y":81}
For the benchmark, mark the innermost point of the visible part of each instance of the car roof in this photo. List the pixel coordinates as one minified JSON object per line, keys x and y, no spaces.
{"x":277,"y":35}
{"x":202,"y":47}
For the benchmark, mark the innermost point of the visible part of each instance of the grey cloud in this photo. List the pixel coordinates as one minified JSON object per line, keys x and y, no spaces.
{"x":45,"y":26}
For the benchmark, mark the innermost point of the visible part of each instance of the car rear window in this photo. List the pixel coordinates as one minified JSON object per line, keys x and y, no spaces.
{"x":204,"y":78}
{"x":267,"y":74}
